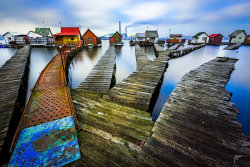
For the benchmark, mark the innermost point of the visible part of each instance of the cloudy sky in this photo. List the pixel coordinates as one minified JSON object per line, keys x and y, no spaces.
{"x":102,"y":16}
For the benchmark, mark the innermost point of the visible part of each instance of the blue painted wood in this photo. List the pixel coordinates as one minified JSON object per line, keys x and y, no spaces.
{"x":50,"y":144}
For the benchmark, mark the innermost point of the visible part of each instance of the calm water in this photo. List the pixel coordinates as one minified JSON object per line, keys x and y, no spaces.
{"x":84,"y":61}
{"x":6,"y":54}
{"x":239,"y":83}
{"x":39,"y":58}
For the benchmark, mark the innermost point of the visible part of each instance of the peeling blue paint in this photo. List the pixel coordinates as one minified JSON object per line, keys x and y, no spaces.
{"x":50,"y":144}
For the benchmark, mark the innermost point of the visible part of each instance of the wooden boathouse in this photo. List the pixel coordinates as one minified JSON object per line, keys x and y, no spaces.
{"x":68,"y":35}
{"x":200,"y":38}
{"x":215,"y":39}
{"x":237,"y":36}
{"x":116,"y":38}
{"x":90,"y":39}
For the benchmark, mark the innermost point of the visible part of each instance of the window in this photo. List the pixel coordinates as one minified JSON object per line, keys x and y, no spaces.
{"x":90,"y":39}
{"x":72,"y":39}
{"x":117,"y":39}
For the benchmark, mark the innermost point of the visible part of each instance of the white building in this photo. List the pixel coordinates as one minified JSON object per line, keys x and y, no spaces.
{"x":2,"y":40}
{"x":41,"y":36}
{"x":10,"y":36}
{"x":152,"y":36}
{"x":237,"y":36}
{"x":36,"y":39}
{"x":141,"y":37}
{"x":20,"y":39}
{"x":200,"y":38}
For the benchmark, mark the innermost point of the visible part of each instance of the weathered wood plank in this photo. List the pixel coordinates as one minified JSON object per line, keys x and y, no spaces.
{"x":198,"y":125}
{"x":147,"y":78}
{"x":102,"y":76}
{"x":13,"y":86}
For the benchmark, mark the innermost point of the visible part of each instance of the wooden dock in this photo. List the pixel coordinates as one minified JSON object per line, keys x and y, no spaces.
{"x":13,"y":87}
{"x":181,"y":52}
{"x":232,"y":47}
{"x":175,"y":46}
{"x":46,"y":129}
{"x":102,"y":76}
{"x":158,"y":50}
{"x":113,"y":134}
{"x":141,"y":57}
{"x":110,"y":134}
{"x":140,"y":89}
{"x":198,"y":124}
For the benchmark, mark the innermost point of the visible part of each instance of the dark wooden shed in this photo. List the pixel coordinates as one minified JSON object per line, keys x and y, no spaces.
{"x":116,"y":38}
{"x":215,"y":39}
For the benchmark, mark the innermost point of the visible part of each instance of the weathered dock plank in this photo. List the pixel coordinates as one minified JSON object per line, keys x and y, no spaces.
{"x":158,"y":50}
{"x":232,"y":47}
{"x":183,"y":51}
{"x":175,"y":46}
{"x":139,"y":89}
{"x":141,"y":57}
{"x":102,"y":76}
{"x":110,"y":134}
{"x":198,"y":124}
{"x":13,"y":88}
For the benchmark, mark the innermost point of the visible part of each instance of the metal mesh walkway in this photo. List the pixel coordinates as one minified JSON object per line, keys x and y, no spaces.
{"x":49,"y":103}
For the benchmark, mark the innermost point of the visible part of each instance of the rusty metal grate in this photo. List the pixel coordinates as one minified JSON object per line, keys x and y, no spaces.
{"x":46,"y":106}
{"x":50,"y":98}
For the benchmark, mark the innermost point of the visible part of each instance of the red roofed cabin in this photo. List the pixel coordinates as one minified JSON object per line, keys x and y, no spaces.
{"x":215,"y":39}
{"x":68,"y":35}
{"x":90,"y":39}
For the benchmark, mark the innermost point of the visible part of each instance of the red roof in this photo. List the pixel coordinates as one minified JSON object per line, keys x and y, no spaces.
{"x":214,"y":35}
{"x":69,"y":31}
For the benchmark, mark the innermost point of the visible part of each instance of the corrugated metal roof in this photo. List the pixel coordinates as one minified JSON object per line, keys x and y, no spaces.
{"x":142,"y":35}
{"x":152,"y":33}
{"x":214,"y":35}
{"x":236,"y":33}
{"x":175,"y":35}
{"x":69,"y":31}
{"x":43,"y":31}
{"x":198,"y":34}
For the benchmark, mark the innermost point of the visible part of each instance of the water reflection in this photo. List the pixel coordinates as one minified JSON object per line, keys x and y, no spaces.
{"x":149,"y":51}
{"x":39,"y":58}
{"x":239,"y":83}
{"x":83,"y":62}
{"x":6,"y":54}
{"x":125,"y":61}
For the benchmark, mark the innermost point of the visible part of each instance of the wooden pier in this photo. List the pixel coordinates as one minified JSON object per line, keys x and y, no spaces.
{"x":158,"y":50}
{"x":13,"y":87}
{"x":141,"y":57}
{"x":232,"y":47}
{"x":140,"y":89}
{"x":198,"y":124}
{"x":48,"y":119}
{"x":181,"y":52}
{"x":102,"y":76}
{"x":175,"y":46}
{"x":113,"y":133}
